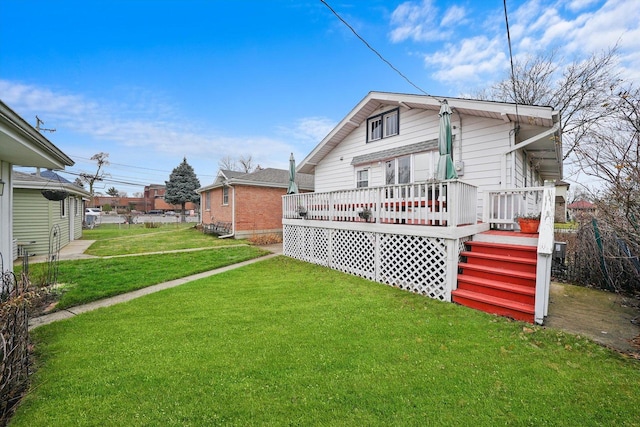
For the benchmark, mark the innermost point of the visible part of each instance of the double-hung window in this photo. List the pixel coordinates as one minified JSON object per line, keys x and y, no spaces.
{"x":225,"y":195}
{"x":383,"y":125}
{"x":362,"y":178}
{"x":207,"y":200}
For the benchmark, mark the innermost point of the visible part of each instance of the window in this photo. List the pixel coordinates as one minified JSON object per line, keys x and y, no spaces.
{"x":391,"y":123}
{"x":63,"y":208}
{"x":207,"y":200}
{"x":398,"y":171}
{"x":375,"y":128}
{"x":383,"y":125}
{"x":225,"y":195}
{"x":362,"y":178}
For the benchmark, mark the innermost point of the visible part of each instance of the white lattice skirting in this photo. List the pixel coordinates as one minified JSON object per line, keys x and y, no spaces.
{"x":424,"y":265}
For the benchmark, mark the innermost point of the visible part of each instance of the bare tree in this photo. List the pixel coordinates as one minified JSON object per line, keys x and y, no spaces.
{"x":246,"y":163}
{"x":243,"y":164}
{"x":102,"y":160}
{"x":227,"y":163}
{"x":580,"y":91}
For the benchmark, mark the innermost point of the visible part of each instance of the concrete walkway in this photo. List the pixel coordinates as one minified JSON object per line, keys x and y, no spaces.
{"x":75,"y":251}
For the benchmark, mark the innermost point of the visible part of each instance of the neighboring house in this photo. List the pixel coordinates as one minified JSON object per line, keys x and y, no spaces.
{"x":21,"y":145}
{"x":119,"y":204}
{"x":41,"y":225}
{"x":581,"y":210}
{"x":248,"y":203}
{"x":379,"y":211}
{"x":154,"y":200}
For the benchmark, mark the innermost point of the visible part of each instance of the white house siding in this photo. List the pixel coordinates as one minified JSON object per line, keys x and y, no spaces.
{"x":335,"y":174}
{"x":480,"y":143}
{"x":34,"y":217}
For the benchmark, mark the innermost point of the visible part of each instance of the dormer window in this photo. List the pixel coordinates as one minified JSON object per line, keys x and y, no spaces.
{"x":383,"y":125}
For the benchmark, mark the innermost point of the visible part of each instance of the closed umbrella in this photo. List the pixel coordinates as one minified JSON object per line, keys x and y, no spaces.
{"x":293,"y":188}
{"x":445,"y":162}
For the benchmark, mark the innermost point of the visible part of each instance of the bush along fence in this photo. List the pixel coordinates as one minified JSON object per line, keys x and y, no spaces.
{"x":14,"y":342}
{"x":597,"y":256}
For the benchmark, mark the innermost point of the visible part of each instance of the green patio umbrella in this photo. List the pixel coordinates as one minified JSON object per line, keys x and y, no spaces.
{"x":293,"y":188}
{"x":446,"y":170}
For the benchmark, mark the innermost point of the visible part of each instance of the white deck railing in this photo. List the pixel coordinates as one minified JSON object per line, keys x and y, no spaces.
{"x":503,"y":206}
{"x":445,"y":203}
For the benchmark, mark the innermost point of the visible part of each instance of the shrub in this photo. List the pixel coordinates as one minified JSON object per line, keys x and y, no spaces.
{"x":265,"y":239}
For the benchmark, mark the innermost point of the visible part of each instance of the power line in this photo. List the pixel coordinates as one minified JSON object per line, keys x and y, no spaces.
{"x":513,"y":78}
{"x":372,"y":49}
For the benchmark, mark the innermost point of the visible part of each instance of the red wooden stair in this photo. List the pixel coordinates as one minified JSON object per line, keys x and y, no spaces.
{"x":498,"y":278}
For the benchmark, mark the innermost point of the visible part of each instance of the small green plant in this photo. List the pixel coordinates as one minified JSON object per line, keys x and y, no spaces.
{"x":530,"y":215}
{"x":365,"y":213}
{"x":152,"y":225}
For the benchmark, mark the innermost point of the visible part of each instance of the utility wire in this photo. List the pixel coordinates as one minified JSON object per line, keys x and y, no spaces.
{"x":372,"y":49}
{"x":513,"y":78}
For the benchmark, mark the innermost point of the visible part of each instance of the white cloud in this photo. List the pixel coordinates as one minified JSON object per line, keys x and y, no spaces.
{"x":453,"y":15}
{"x":146,"y":132}
{"x":479,"y":53}
{"x":468,"y":61}
{"x":415,"y":21}
{"x":309,"y":129}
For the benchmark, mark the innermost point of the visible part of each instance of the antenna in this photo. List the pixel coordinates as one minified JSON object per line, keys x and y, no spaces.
{"x":39,"y":129}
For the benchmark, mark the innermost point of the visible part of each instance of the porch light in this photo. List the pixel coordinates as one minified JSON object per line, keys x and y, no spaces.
{"x":1,"y":187}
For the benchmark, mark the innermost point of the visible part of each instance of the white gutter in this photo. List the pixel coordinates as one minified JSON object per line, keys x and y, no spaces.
{"x":233,"y":214}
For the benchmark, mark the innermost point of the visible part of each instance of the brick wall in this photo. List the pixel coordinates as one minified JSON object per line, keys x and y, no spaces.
{"x":259,"y":209}
{"x":218,"y":211}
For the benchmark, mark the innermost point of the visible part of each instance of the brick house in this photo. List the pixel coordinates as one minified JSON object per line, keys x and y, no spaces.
{"x":250,"y":203}
{"x":152,"y":200}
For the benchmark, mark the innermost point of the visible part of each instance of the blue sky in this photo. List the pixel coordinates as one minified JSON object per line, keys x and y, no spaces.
{"x":151,"y":82}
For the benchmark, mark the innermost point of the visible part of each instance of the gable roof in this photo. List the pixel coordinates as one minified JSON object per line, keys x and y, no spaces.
{"x":540,"y":147}
{"x":581,"y":204}
{"x":269,"y":177}
{"x":52,"y":181}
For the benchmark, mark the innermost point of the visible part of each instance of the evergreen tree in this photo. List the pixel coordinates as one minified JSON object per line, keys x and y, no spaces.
{"x":182,"y":185}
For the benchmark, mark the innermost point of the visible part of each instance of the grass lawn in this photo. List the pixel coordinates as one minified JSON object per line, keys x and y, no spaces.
{"x":88,"y":280}
{"x":282,"y":342}
{"x":114,"y":239}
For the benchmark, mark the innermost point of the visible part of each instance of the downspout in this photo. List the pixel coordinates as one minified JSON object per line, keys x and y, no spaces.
{"x":233,"y":214}
{"x":459,"y":135}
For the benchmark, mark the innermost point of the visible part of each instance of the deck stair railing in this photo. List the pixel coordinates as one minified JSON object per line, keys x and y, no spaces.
{"x":443,"y":203}
{"x":501,"y":209}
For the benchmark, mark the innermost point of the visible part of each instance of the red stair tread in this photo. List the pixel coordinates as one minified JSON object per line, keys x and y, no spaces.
{"x":520,"y":260}
{"x":504,"y":286}
{"x":500,"y":302}
{"x":499,"y":271}
{"x":527,"y":248}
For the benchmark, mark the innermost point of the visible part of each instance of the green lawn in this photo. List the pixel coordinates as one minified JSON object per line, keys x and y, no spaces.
{"x":88,"y":280}
{"x":281,"y":342}
{"x":113,"y":239}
